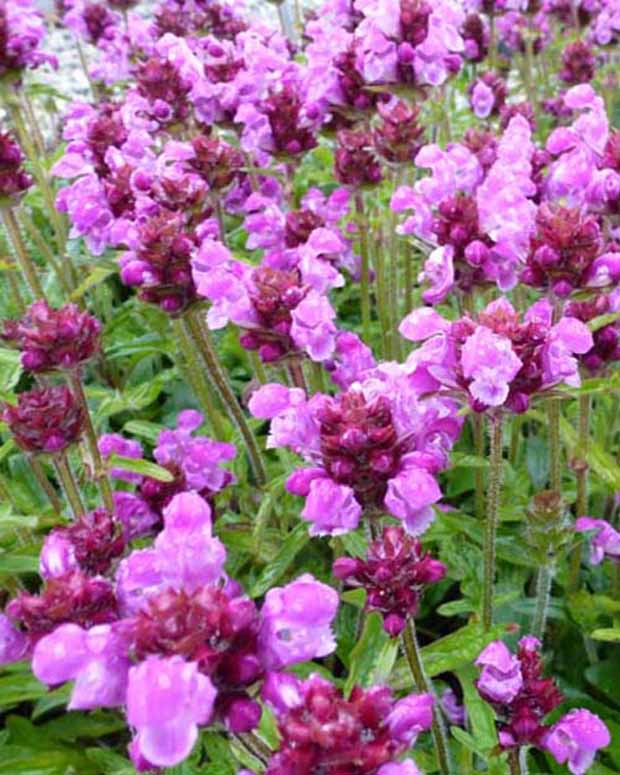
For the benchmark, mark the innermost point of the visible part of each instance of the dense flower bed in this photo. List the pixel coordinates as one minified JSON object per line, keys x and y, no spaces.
{"x":309,"y":389}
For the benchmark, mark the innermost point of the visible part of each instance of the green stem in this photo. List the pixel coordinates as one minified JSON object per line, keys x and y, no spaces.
{"x":45,"y":484}
{"x":98,"y":468}
{"x":23,"y":259}
{"x":84,"y":66}
{"x":362,"y":225}
{"x":543,"y":591}
{"x":69,"y":487}
{"x":200,"y":387}
{"x":517,"y":761}
{"x":18,"y":299}
{"x":258,"y":367}
{"x":202,"y":341}
{"x":219,"y":213}
{"x":478,"y":428}
{"x":33,"y":125}
{"x":39,"y":172}
{"x":382,"y":306}
{"x":43,"y":247}
{"x":581,"y":505}
{"x":422,"y":683}
{"x":493,"y":498}
{"x":555,"y":448}
{"x":253,"y":745}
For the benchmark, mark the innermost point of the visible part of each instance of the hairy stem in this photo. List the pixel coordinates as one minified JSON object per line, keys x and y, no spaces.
{"x":581,"y":505}
{"x":202,"y":341}
{"x":411,"y":648}
{"x":99,"y":472}
{"x":493,"y":497}
{"x":478,"y":428}
{"x":555,"y":447}
{"x":23,"y":258}
{"x":362,"y":225}
{"x":517,"y":761}
{"x":543,"y":592}
{"x":66,"y":283}
{"x":45,"y":484}
{"x":196,"y":378}
{"x":69,"y":487}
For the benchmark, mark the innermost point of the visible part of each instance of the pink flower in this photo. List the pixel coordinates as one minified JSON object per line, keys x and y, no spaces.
{"x":167,"y":699}
{"x":575,"y":739}
{"x":604,"y":541}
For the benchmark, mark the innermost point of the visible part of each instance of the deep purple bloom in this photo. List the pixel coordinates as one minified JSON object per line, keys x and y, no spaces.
{"x":394,"y":574}
{"x":487,"y":94}
{"x":53,"y":338}
{"x":515,"y":686}
{"x":45,"y":420}
{"x":320,"y":730}
{"x":14,"y":179}
{"x":22,"y":30}
{"x":355,"y":161}
{"x":578,"y":63}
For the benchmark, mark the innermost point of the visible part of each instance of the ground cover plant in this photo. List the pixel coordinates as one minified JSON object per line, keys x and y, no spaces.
{"x":309,"y":425}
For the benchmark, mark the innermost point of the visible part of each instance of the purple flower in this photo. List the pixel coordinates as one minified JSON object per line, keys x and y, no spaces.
{"x":167,"y":699}
{"x":96,"y":659}
{"x":454,"y":710}
{"x":330,"y":507}
{"x":22,"y":29}
{"x":410,"y":495}
{"x":296,"y":622}
{"x":115,"y":444}
{"x":199,"y":458}
{"x":407,"y":767}
{"x":14,"y":645}
{"x":500,"y":679}
{"x":409,"y":717}
{"x":604,"y":541}
{"x":14,"y":179}
{"x":57,"y":556}
{"x":575,"y":739}
{"x":45,"y":420}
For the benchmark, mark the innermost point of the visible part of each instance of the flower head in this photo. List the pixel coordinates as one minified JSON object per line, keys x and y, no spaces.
{"x":14,"y":179}
{"x":604,"y":541}
{"x":319,"y":728}
{"x":54,"y":339}
{"x":45,"y":420}
{"x":394,"y":574}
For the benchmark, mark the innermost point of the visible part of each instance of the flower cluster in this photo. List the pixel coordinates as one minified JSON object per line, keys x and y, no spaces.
{"x":172,"y":638}
{"x":320,"y":729}
{"x":372,"y":447}
{"x":393,"y":574}
{"x":45,"y":419}
{"x":498,"y":360}
{"x":14,"y":179}
{"x":194,"y":462}
{"x":515,"y":686}
{"x":21,"y":32}
{"x":52,"y":339}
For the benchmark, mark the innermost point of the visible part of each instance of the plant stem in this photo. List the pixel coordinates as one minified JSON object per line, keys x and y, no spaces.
{"x":253,"y":745}
{"x":69,"y":487}
{"x":517,"y":761}
{"x":219,"y":213}
{"x":33,"y":124}
{"x":555,"y":449}
{"x":478,"y":428}
{"x":543,"y":590}
{"x":200,"y":387}
{"x":202,"y":341}
{"x":23,"y":259}
{"x":258,"y":367}
{"x":581,"y":505}
{"x":15,"y":292}
{"x":362,"y":225}
{"x":297,"y":375}
{"x":493,"y":497}
{"x":99,"y":472}
{"x":66,"y":283}
{"x":411,"y":648}
{"x":45,"y":484}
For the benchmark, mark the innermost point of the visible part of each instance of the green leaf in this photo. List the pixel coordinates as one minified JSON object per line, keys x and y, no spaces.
{"x":139,"y":466}
{"x":604,"y":676}
{"x":294,"y":543}
{"x":20,"y":687}
{"x":74,"y":725}
{"x":145,"y":430}
{"x":10,"y":369}
{"x":99,"y":274}
{"x":18,"y":563}
{"x":367,"y":652}
{"x":480,"y":715}
{"x":603,"y":320}
{"x":109,"y":763}
{"x":609,"y":635}
{"x":459,"y":648}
